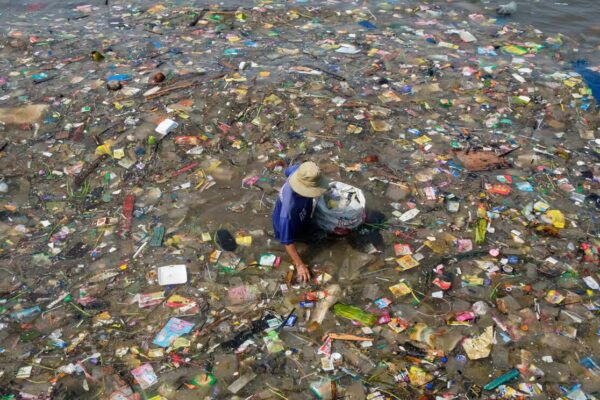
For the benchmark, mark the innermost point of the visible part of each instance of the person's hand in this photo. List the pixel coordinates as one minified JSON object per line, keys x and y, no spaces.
{"x":303,"y":273}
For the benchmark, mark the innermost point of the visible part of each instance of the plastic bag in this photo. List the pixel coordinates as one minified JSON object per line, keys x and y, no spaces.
{"x":341,"y":209}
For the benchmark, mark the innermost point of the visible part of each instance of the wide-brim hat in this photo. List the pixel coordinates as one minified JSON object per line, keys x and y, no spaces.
{"x":307,"y":180}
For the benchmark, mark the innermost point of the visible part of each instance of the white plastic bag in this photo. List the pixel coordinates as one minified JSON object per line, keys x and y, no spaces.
{"x":341,"y":209}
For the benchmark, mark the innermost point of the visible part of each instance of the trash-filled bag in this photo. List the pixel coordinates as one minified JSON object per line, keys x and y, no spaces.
{"x":341,"y":209}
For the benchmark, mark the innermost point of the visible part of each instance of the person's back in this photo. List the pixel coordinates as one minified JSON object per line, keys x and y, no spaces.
{"x":292,"y":212}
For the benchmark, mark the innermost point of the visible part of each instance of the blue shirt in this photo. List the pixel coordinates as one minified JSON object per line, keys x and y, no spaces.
{"x":292,"y":212}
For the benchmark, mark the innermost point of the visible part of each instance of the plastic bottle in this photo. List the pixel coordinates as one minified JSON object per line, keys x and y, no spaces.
{"x":510,"y":375}
{"x":480,"y":230}
{"x":320,"y":311}
{"x":323,"y":389}
{"x":355,"y":314}
{"x":410,"y":214}
{"x":396,"y":206}
{"x":527,"y":160}
{"x":480,"y":308}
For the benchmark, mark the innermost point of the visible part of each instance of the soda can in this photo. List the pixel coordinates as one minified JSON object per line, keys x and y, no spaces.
{"x":291,"y":321}
{"x":307,"y":304}
{"x":513,"y":259}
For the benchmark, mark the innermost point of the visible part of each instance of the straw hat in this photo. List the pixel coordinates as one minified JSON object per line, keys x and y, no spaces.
{"x":307,"y":180}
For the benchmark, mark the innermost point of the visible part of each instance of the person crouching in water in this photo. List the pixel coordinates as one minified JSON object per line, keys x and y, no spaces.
{"x":293,"y":211}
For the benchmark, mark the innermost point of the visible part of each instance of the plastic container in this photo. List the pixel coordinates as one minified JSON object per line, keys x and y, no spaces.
{"x":172,"y":275}
{"x":166,"y":126}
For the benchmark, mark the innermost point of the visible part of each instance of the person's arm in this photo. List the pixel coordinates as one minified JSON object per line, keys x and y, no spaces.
{"x":301,"y":268}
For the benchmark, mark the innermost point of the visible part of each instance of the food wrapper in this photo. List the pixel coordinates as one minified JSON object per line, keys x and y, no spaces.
{"x":554,"y":297}
{"x":407,"y":262}
{"x":180,"y":342}
{"x":326,"y":348}
{"x":480,"y":346}
{"x":421,"y":140}
{"x":398,"y":325}
{"x":150,"y":299}
{"x":243,"y":240}
{"x":144,"y":375}
{"x":382,"y":302}
{"x":104,"y":149}
{"x":381,"y":126}
{"x":400,"y":289}
{"x":515,"y":50}
{"x":472,"y":280}
{"x":242,"y":294}
{"x":531,"y":389}
{"x":418,"y":376}
{"x":173,"y":329}
{"x":269,"y":260}
{"x":389,"y":97}
{"x":422,"y":333}
{"x":183,"y":304}
{"x":402,"y":249}
{"x":556,"y":218}
{"x":273,"y":342}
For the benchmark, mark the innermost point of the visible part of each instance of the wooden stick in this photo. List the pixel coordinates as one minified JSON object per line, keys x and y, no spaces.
{"x":336,"y":76}
{"x":214,"y":324}
{"x":91,"y":167}
{"x":198,"y":17}
{"x":312,"y":134}
{"x":183,"y":85}
{"x":346,"y":336}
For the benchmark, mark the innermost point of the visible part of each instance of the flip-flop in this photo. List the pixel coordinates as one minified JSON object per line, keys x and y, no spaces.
{"x":226,"y":240}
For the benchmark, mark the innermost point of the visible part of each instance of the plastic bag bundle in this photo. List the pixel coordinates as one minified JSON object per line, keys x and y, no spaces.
{"x":341,"y":209}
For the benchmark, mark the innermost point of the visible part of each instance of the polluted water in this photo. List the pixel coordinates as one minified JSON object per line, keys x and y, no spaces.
{"x":142,"y":149}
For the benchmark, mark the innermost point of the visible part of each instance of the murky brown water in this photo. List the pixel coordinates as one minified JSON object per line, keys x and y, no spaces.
{"x":579,"y":19}
{"x":227,"y":205}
